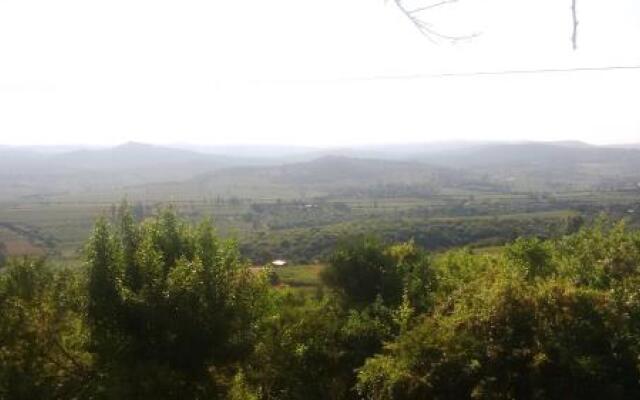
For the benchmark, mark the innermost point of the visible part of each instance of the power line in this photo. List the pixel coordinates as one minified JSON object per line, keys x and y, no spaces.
{"x":505,"y":72}
{"x":473,"y":74}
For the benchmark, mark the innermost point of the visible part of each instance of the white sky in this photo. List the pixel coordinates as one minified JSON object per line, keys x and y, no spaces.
{"x":279,"y":72}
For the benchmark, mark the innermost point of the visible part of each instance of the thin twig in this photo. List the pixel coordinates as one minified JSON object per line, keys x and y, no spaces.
{"x":429,"y":7}
{"x":426,"y":28}
{"x":574,"y":37}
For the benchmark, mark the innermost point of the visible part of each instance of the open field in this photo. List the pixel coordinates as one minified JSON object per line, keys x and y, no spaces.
{"x":299,"y":210}
{"x":300,"y":276}
{"x":302,"y":229}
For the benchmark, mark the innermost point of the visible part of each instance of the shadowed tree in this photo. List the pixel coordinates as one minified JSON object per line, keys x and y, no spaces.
{"x":170,"y":307}
{"x":3,"y":253}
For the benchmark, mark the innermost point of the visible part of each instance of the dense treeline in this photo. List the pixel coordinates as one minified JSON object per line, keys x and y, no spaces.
{"x":318,"y":243}
{"x":3,"y":253}
{"x":166,"y":310}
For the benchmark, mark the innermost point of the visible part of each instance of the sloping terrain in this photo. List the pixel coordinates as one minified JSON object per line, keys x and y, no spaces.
{"x":548,"y":166}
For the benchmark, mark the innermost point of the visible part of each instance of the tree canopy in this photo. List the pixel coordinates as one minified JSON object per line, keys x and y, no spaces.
{"x":166,"y":309}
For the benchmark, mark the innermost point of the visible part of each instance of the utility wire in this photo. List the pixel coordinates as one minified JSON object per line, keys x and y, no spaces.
{"x":470,"y":74}
{"x":505,"y":72}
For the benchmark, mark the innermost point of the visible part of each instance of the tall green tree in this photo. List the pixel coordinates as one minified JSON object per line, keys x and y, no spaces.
{"x":544,"y":320}
{"x":43,"y":353}
{"x":3,"y":254}
{"x":171,"y":307}
{"x":363,"y":269}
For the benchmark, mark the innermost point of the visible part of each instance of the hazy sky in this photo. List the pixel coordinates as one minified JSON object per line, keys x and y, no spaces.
{"x":297,"y":72}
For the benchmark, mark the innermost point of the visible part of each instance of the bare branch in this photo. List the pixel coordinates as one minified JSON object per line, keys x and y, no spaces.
{"x":429,"y":7}
{"x":574,"y":37}
{"x":426,"y":28}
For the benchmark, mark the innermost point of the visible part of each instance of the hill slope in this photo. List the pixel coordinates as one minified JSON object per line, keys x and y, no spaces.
{"x":27,"y":172}
{"x":548,"y":166}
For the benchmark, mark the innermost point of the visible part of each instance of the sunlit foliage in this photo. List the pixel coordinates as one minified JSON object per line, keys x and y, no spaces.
{"x":164,"y":309}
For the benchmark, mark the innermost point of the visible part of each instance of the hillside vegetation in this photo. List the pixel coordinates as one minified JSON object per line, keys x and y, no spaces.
{"x":294,"y":203}
{"x":167,"y":309}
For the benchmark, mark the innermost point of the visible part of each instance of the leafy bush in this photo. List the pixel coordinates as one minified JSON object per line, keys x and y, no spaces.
{"x":166,"y":310}
{"x":167,"y":303}
{"x":547,"y":319}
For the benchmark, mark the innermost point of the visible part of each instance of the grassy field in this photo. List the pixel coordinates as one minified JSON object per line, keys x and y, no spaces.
{"x":60,"y":228}
{"x":300,"y":276}
{"x":18,"y":245}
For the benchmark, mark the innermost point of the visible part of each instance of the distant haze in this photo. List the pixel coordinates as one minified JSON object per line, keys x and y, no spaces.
{"x":313,"y":73}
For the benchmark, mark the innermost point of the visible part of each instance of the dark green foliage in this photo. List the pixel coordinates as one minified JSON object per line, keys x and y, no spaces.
{"x":104,"y":301}
{"x":318,"y":243}
{"x":361,"y":270}
{"x":512,"y":340}
{"x":130,"y":238}
{"x":272,"y":277}
{"x":3,"y":254}
{"x":41,"y":342}
{"x":600,"y":255}
{"x":548,"y":320}
{"x":310,"y":349}
{"x":166,"y":310}
{"x":419,"y":281}
{"x":532,"y":255}
{"x":364,"y":270}
{"x":167,"y":303}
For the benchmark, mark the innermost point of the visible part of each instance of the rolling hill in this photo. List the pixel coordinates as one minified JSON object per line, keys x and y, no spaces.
{"x":29,"y":173}
{"x":548,"y":166}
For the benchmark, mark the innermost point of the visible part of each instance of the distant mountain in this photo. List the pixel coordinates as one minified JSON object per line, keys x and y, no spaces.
{"x":291,"y":154}
{"x":266,"y":153}
{"x":625,"y":146}
{"x":414,"y":169}
{"x":548,"y":166}
{"x":28,"y":172}
{"x":398,"y":152}
{"x":131,"y":155}
{"x":534,"y":153}
{"x":282,"y":154}
{"x":10,"y":156}
{"x":332,"y":170}
{"x":569,"y":143}
{"x":327,"y":175}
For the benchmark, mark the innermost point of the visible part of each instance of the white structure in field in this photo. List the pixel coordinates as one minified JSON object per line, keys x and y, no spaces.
{"x":278,"y":263}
